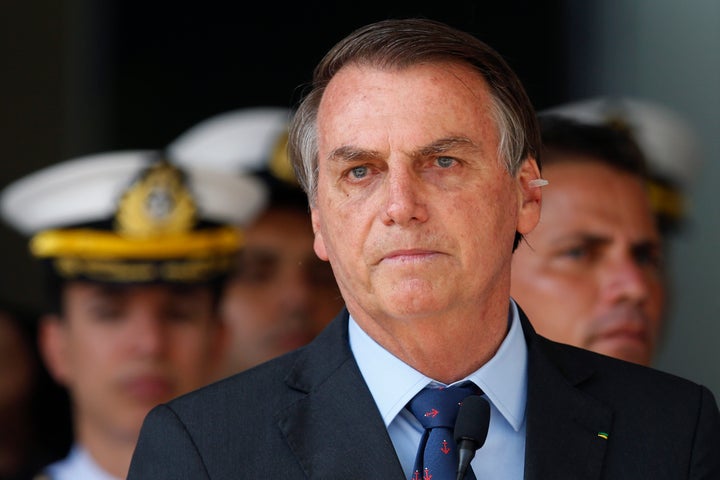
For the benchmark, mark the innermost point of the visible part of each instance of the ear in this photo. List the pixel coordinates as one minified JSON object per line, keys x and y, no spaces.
{"x":54,"y":347}
{"x":529,"y":196}
{"x":319,"y":244}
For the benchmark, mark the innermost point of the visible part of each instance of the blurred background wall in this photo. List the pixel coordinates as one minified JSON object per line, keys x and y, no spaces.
{"x":83,"y":76}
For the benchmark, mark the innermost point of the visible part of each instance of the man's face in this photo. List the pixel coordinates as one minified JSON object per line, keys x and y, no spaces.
{"x":282,"y":295}
{"x":589,"y":274}
{"x":123,"y":350}
{"x":414,"y":210}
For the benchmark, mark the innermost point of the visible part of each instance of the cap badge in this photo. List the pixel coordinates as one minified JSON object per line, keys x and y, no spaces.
{"x":156,"y":204}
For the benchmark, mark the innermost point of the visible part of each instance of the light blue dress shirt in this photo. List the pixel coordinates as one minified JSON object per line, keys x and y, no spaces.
{"x":503,"y":379}
{"x":78,"y":465}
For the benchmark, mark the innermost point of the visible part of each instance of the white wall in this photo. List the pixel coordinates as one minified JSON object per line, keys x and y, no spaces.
{"x":667,"y":51}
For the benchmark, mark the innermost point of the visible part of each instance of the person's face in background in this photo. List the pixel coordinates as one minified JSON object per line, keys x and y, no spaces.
{"x":590,"y":273}
{"x":282,"y":294}
{"x":121,"y":350}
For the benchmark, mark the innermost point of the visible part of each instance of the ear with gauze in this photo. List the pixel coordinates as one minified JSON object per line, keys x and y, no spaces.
{"x":529,"y":195}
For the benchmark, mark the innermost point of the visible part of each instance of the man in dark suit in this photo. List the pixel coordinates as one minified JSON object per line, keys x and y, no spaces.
{"x":418,"y":149}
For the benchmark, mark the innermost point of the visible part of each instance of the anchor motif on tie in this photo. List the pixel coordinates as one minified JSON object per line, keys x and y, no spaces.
{"x":432,"y":413}
{"x":416,"y":475}
{"x":445,"y":449}
{"x":426,"y":474}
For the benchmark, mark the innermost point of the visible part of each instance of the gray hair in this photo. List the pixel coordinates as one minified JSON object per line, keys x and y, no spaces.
{"x":397,"y":44}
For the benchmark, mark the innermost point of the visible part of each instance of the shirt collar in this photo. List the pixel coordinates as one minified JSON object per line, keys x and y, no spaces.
{"x":393,"y":383}
{"x":78,"y":465}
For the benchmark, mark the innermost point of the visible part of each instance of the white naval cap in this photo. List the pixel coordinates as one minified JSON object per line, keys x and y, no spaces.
{"x":87,"y":189}
{"x":96,"y":213}
{"x":666,"y":139}
{"x":250,"y":139}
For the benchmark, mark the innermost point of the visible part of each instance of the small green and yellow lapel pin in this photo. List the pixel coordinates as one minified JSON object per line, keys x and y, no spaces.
{"x":603,"y":435}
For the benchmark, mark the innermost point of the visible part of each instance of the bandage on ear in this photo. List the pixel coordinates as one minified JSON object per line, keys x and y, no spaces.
{"x":538,"y":182}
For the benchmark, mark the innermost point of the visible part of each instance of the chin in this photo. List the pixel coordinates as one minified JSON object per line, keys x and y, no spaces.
{"x":414,"y":308}
{"x":633,"y":355}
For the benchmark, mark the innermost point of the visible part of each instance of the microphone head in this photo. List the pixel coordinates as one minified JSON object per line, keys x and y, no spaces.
{"x":473,"y":420}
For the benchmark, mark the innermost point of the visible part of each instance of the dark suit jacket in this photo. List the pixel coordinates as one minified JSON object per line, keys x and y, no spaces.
{"x":309,"y":414}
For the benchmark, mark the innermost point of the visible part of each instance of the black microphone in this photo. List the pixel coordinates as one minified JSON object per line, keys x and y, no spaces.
{"x":471,"y":428}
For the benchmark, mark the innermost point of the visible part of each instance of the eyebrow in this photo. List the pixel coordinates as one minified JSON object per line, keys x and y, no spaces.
{"x":444,"y":145}
{"x":349,"y":153}
{"x":597,"y":240}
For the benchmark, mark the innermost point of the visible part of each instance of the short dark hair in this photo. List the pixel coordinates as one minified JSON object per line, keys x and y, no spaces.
{"x":402,"y":43}
{"x":283,"y":194}
{"x":563,"y":137}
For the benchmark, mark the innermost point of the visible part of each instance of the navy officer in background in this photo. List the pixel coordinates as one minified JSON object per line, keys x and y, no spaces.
{"x":135,"y":251}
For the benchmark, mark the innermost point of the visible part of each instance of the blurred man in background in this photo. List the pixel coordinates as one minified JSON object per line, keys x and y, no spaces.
{"x":281,"y":294}
{"x":590,"y":274}
{"x":135,"y":252}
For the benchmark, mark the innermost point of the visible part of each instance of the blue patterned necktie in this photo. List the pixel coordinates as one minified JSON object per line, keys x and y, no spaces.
{"x":437,"y":410}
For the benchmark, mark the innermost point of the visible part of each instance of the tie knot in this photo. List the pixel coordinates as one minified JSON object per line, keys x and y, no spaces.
{"x":438,"y":407}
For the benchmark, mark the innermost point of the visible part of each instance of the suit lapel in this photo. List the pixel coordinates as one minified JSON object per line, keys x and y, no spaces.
{"x":565,"y":426}
{"x":335,"y":430}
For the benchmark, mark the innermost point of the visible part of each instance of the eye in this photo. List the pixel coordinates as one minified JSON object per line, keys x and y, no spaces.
{"x":445,"y":162}
{"x":359,"y":172}
{"x":576,"y":253}
{"x":182,"y":313}
{"x":256,"y":267}
{"x":106,"y":312}
{"x":648,"y":256}
{"x":319,"y":273}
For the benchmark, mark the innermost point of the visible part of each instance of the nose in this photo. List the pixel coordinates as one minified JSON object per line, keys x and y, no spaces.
{"x":405,"y":199}
{"x":626,"y":280}
{"x":147,"y":334}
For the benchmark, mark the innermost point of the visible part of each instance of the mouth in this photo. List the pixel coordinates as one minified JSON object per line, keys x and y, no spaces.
{"x":625,"y":335}
{"x":628,"y":343}
{"x":148,"y":388}
{"x":625,"y":332}
{"x":409,"y":256}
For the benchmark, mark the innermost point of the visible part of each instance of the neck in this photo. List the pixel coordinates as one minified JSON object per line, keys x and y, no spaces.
{"x":446,"y":347}
{"x":112,"y":452}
